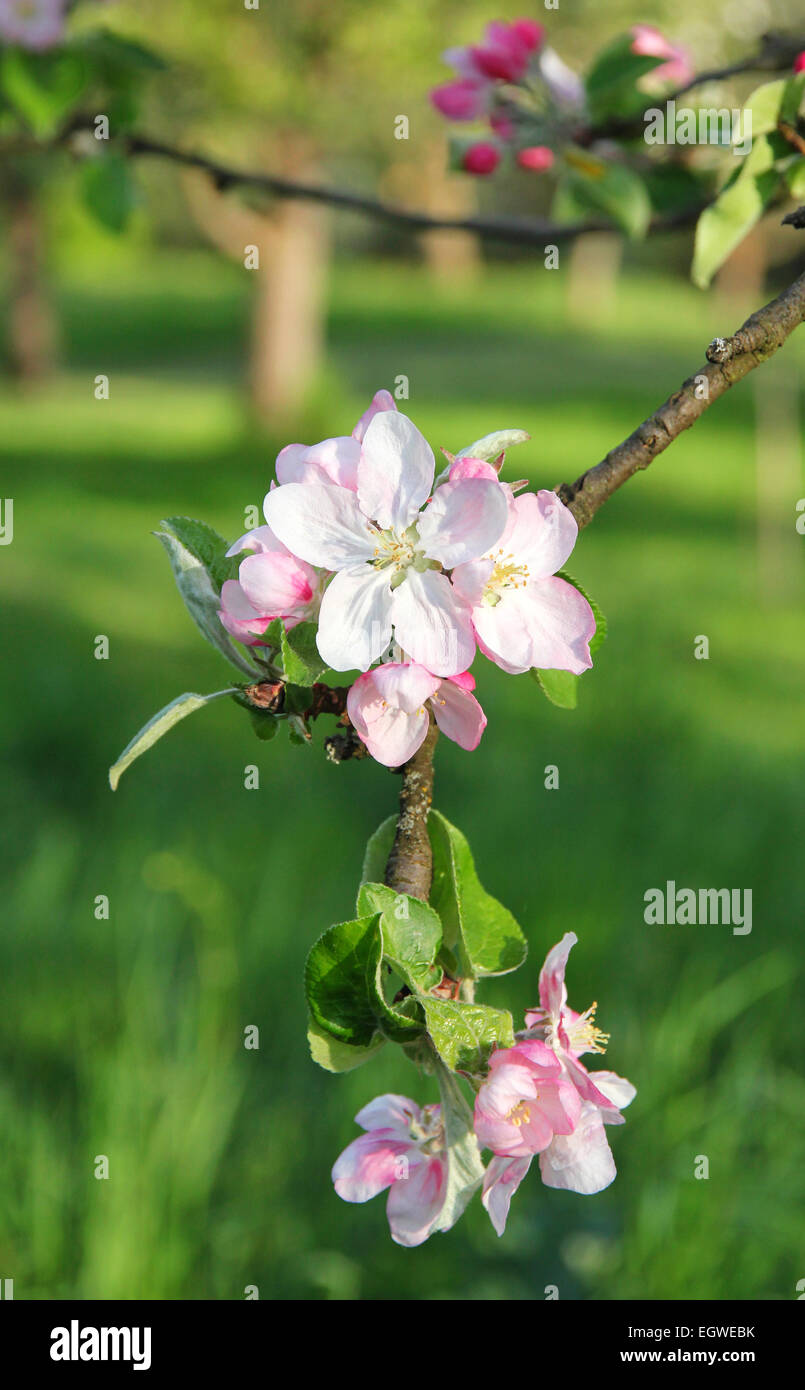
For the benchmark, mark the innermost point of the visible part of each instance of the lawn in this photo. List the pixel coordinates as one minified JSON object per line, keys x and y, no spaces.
{"x":124,"y":1037}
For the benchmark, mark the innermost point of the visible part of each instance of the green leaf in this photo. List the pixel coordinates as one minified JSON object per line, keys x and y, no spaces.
{"x":412,"y":934}
{"x":111,"y":53}
{"x":612,"y":189}
{"x":465,"y":1034}
{"x":265,"y":725}
{"x":300,"y":655}
{"x":764,"y":105}
{"x":726,"y":222}
{"x":791,"y":104}
{"x":561,"y":687}
{"x":207,"y":546}
{"x":340,"y":969}
{"x":465,"y":1169}
{"x":42,"y":87}
{"x":156,"y":727}
{"x":108,"y":190}
{"x":200,"y":597}
{"x":481,"y":931}
{"x":378,"y":849}
{"x":611,"y":83}
{"x":337,"y":1056}
{"x":795,"y":178}
{"x":491,"y":445}
{"x":766,"y":153}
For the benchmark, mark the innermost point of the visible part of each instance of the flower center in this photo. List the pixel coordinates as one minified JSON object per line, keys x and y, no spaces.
{"x":428,"y":1133}
{"x":583,"y":1035}
{"x":397,"y":551}
{"x":520,"y":1114}
{"x":506,"y":574}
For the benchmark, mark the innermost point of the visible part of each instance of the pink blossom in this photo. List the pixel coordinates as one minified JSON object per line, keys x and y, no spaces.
{"x":506,"y":49}
{"x":481,"y":158}
{"x":389,"y":557}
{"x":34,"y":24}
{"x":333,"y":460}
{"x":403,"y":1150}
{"x":525,"y":1101}
{"x":271,"y":583}
{"x":523,"y":615}
{"x":799,"y":62}
{"x":463,"y":100}
{"x":502,"y":125}
{"x":537,"y":158}
{"x":387,"y":706}
{"x":648,"y":42}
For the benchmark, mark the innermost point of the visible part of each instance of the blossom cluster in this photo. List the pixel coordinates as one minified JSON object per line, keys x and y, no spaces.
{"x":538,"y":1101}
{"x":407,"y":575}
{"x":520,"y":87}
{"x":32,"y":24}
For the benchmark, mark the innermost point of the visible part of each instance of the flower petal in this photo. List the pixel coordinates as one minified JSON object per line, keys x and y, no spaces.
{"x":381,"y":400}
{"x":581,"y":1161}
{"x":458,"y":715}
{"x":432,"y":623}
{"x":391,"y":734}
{"x":277,"y":585}
{"x":332,"y":461}
{"x":355,"y":618}
{"x":503,"y":1177}
{"x":552,"y":988}
{"x":395,"y":473}
{"x":503,"y":631}
{"x":389,"y":1111}
{"x":463,"y":521}
{"x":616,"y":1089}
{"x":405,"y":684}
{"x":260,"y":540}
{"x":560,"y":625}
{"x":415,"y":1202}
{"x":368,"y":1165}
{"x":322,"y":524}
{"x":544,"y":533}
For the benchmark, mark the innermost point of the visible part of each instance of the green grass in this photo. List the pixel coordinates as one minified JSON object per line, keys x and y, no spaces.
{"x":125,"y":1037}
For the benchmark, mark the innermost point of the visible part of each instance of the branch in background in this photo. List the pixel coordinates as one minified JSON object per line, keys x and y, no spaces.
{"x":728,"y":361}
{"x":410,"y":863}
{"x":513,"y":230}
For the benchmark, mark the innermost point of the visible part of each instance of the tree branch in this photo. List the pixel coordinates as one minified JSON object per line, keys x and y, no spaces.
{"x":410,"y":863}
{"x":729,"y":361}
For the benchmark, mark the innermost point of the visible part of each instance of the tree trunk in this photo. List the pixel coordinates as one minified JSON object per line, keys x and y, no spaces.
{"x":30,"y":347}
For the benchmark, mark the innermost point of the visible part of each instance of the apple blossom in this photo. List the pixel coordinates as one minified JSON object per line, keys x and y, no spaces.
{"x":525,"y":1101}
{"x":388,"y":707}
{"x":388,"y":556}
{"x":332,"y":460}
{"x":271,"y":583}
{"x":34,"y":24}
{"x":799,"y":62}
{"x":563,"y":84}
{"x":506,"y":50}
{"x":463,"y":100}
{"x":650,"y":43}
{"x":481,"y":158}
{"x":537,"y":158}
{"x":523,"y":615}
{"x":403,"y":1150}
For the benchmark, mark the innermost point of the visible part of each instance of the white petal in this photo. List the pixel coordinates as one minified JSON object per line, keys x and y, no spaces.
{"x":395,"y":474}
{"x":432,"y":623}
{"x":560,"y":624}
{"x":463,"y":521}
{"x":321,"y":524}
{"x":355,"y":618}
{"x":544,"y":533}
{"x":581,"y":1161}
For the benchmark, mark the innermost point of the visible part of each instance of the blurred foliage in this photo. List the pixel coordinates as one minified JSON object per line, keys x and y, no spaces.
{"x":125,"y":1037}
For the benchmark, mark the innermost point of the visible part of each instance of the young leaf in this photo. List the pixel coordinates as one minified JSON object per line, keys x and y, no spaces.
{"x":795,"y":178}
{"x":465,"y":1034}
{"x":300,"y":655}
{"x":208,"y":547}
{"x":412,"y":934}
{"x":339,"y":980}
{"x":200,"y":598}
{"x":337,"y":1056}
{"x":612,"y":189}
{"x":378,"y":849}
{"x":493,"y":444}
{"x":108,"y":190}
{"x":560,"y":687}
{"x":465,"y":1170}
{"x":480,"y":930}
{"x":611,"y":83}
{"x":726,"y":222}
{"x":764,"y":107}
{"x":42,"y":87}
{"x":159,"y":725}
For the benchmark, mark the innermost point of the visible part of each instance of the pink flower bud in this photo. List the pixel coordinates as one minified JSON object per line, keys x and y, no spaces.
{"x":799,"y":62}
{"x":529,"y":33}
{"x":482,"y":158}
{"x":465,"y":100}
{"x":502,"y":126}
{"x":538,"y":158}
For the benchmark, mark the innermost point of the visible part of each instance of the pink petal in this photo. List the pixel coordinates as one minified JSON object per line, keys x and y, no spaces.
{"x":552,"y":989}
{"x":544,"y":533}
{"x":238,"y":616}
{"x":463,"y":100}
{"x":560,"y":625}
{"x":389,"y":1111}
{"x":355,"y":617}
{"x":504,"y":631}
{"x":581,"y":1161}
{"x":465,"y":467}
{"x":381,"y":400}
{"x":261,"y":540}
{"x":432,"y":623}
{"x":369,"y":1165}
{"x":458,"y":715}
{"x":503,"y":1177}
{"x":331,"y":461}
{"x":321,"y":524}
{"x":395,"y":473}
{"x":463,"y":521}
{"x":414,"y":1203}
{"x":404,"y":684}
{"x":616,"y":1088}
{"x":278,"y":585}
{"x":391,"y":735}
